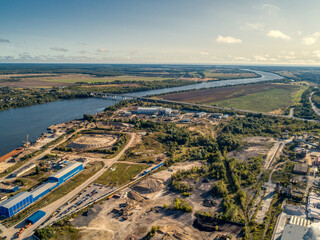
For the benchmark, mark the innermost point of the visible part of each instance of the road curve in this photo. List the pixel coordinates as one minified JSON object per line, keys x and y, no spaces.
{"x":315,"y":109}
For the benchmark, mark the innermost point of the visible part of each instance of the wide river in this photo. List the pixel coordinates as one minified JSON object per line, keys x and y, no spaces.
{"x":15,"y":124}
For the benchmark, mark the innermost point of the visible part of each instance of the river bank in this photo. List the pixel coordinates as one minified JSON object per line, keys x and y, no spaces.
{"x":15,"y":124}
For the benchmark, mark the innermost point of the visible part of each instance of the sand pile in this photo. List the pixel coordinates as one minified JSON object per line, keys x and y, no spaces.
{"x":135,"y":196}
{"x":171,"y":232}
{"x":149,"y":185}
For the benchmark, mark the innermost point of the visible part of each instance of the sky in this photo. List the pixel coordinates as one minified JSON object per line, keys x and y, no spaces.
{"x":282,"y":32}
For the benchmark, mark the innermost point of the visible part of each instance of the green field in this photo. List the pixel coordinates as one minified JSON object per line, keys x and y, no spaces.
{"x":120,"y":173}
{"x":146,"y":151}
{"x":267,"y":101}
{"x":75,"y":79}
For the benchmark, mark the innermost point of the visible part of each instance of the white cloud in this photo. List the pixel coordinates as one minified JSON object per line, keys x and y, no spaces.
{"x":252,"y":26}
{"x":265,"y":58}
{"x":102,"y":50}
{"x":310,"y":40}
{"x":317,"y":53}
{"x":270,"y":6}
{"x":241,"y":59}
{"x":228,"y":40}
{"x":204,"y":53}
{"x":58,"y":49}
{"x":289,"y":57}
{"x":278,"y":34}
{"x":260,"y":58}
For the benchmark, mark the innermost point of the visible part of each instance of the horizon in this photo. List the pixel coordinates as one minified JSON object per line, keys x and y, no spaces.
{"x":141,"y":32}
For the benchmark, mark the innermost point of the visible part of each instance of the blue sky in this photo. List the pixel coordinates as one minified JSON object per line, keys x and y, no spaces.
{"x":166,"y":31}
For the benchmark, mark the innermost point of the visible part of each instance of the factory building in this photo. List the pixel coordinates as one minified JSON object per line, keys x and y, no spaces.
{"x":166,"y":111}
{"x":66,"y":173}
{"x":217,"y":115}
{"x":36,"y":217}
{"x":148,"y":110}
{"x":15,"y":204}
{"x":154,"y":111}
{"x":43,"y":189}
{"x":8,"y":188}
{"x":20,"y":201}
{"x":199,"y":114}
{"x":23,"y":170}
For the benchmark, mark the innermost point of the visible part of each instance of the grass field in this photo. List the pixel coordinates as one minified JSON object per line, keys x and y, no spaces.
{"x":90,"y":79}
{"x":120,"y":173}
{"x":255,"y":97}
{"x":267,"y":101}
{"x":69,"y":79}
{"x":221,"y":75}
{"x":145,"y":152}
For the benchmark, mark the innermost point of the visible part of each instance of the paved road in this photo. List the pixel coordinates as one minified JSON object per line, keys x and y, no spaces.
{"x":291,"y":112}
{"x":315,"y":109}
{"x":272,"y":154}
{"x":57,"y":204}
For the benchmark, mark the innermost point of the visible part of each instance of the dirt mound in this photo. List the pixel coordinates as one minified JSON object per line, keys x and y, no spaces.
{"x":149,"y":185}
{"x":88,"y":141}
{"x":172,"y":232}
{"x":135,"y":196}
{"x":96,"y":234}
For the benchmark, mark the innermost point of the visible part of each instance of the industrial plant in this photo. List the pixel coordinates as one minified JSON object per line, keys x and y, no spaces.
{"x":20,"y":201}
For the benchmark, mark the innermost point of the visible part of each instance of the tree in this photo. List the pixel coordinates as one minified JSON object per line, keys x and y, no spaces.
{"x":38,"y":170}
{"x":88,"y":117}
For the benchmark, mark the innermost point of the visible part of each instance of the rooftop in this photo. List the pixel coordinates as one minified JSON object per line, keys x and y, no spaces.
{"x":42,"y":188}
{"x":294,"y":232}
{"x":67,"y":169}
{"x":7,"y":187}
{"x":15,"y":199}
{"x":27,"y":167}
{"x":300,"y":168}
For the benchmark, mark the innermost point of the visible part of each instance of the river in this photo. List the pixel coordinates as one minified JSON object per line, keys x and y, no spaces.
{"x":15,"y":124}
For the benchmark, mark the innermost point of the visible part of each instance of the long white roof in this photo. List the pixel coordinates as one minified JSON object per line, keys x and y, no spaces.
{"x":15,"y":199}
{"x":42,"y":188}
{"x":65,"y":170}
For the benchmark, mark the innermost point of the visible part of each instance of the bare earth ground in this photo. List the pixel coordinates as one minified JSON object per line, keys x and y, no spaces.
{"x":219,"y":94}
{"x":93,"y":140}
{"x":252,"y":147}
{"x":100,"y":223}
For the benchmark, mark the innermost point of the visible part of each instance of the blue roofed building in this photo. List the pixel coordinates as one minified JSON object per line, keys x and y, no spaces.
{"x":36,"y":217}
{"x":67,"y":172}
{"x":43,"y":189}
{"x":20,"y":201}
{"x":15,"y":204}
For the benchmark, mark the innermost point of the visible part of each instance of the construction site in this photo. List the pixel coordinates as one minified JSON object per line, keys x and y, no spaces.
{"x":139,"y":207}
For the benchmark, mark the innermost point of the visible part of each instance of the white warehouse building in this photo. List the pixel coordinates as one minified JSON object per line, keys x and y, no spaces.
{"x":154,"y":111}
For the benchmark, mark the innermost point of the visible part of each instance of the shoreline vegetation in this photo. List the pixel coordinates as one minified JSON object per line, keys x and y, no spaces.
{"x":24,"y":85}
